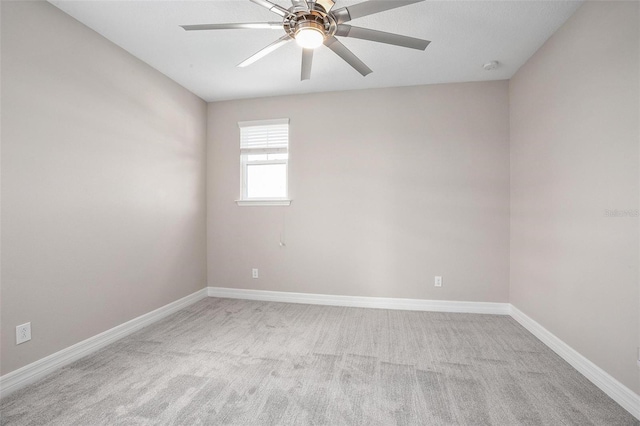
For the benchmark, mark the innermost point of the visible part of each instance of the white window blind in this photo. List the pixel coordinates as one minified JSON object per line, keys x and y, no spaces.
{"x":264,"y":159}
{"x":267,"y":135}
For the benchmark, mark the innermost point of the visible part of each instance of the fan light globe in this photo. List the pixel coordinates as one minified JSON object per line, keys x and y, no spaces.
{"x":309,"y":37}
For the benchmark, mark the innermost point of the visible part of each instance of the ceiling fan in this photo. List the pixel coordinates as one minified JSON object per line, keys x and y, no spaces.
{"x":312,"y":23}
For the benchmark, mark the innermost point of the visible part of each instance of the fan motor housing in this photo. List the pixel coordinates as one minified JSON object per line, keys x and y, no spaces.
{"x":316,"y":19}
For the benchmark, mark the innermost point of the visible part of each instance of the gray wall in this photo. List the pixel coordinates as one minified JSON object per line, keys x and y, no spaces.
{"x":390,"y":187}
{"x":103,"y":184}
{"x":574,"y":155}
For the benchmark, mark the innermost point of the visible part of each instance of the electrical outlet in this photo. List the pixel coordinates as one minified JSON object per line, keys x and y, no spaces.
{"x":438,"y":282}
{"x":23,"y":333}
{"x":254,"y":273}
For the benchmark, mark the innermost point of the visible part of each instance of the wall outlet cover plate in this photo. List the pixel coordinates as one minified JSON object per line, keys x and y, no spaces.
{"x":23,"y":333}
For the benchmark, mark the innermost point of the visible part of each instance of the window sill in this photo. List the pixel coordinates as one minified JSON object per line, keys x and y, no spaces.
{"x":263,"y":202}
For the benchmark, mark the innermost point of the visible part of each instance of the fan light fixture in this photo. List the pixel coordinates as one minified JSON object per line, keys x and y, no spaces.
{"x":309,"y":35}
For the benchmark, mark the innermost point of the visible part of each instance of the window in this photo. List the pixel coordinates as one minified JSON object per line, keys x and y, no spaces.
{"x":264,"y":158}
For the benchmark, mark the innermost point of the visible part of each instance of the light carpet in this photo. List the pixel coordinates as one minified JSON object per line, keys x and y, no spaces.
{"x":238,"y":362}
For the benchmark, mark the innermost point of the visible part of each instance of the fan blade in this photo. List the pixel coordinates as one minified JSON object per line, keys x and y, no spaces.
{"x":238,"y":26}
{"x":342,"y":51}
{"x":277,"y":9}
{"x":327,"y":5}
{"x":370,"y":7}
{"x":300,"y":4}
{"x":345,"y":30}
{"x":264,"y":52}
{"x":307,"y":60}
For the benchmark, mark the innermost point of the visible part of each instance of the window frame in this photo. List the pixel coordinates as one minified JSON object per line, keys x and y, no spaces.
{"x":245,"y":164}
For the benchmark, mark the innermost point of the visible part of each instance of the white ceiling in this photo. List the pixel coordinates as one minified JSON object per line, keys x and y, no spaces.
{"x":464,"y":34}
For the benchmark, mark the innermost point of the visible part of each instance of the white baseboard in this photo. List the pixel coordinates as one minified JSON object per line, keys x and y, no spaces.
{"x":621,"y":394}
{"x":30,"y":373}
{"x":362,"y":301}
